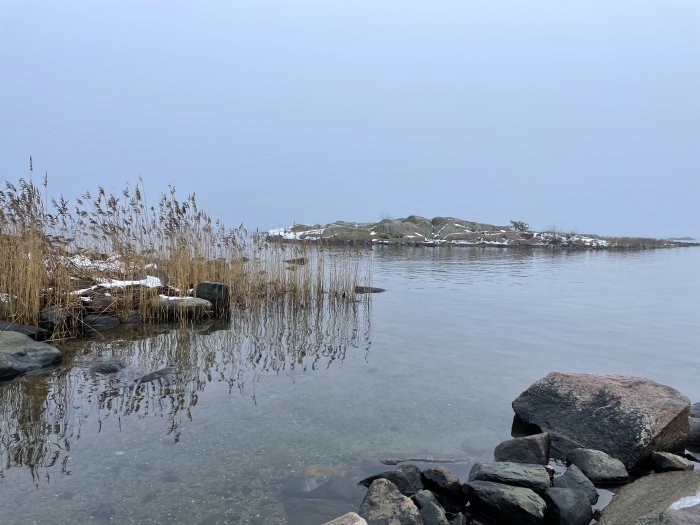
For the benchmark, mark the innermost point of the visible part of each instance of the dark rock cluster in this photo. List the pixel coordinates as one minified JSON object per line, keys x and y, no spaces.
{"x":527,"y":486}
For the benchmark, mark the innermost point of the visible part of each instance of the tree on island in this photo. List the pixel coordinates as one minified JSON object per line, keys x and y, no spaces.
{"x":520,"y":226}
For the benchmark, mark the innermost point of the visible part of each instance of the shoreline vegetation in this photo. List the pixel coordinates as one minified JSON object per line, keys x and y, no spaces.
{"x":449,"y":231}
{"x":72,"y":268}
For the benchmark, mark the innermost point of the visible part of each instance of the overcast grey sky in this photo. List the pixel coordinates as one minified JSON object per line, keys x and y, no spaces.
{"x":578,"y":114}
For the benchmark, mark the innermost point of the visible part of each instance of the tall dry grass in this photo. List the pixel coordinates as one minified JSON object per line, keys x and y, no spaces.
{"x":49,"y":247}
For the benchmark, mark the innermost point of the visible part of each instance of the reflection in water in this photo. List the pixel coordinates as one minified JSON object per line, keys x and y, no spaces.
{"x":42,"y":415}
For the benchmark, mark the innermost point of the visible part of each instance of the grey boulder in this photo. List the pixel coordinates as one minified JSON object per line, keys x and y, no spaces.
{"x":507,"y":504}
{"x":35,"y":332}
{"x":446,"y":486}
{"x":574,"y":479}
{"x":567,"y":507}
{"x":534,"y":477}
{"x":217,"y":294}
{"x":627,"y":417}
{"x":431,"y":511}
{"x":406,"y":478}
{"x":665,"y":462}
{"x":20,"y":354}
{"x":528,"y":449}
{"x":598,"y":466}
{"x":385,"y":505}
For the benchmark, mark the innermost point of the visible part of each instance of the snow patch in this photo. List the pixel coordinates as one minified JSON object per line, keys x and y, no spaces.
{"x":688,"y":501}
{"x":148,"y":282}
{"x":288,"y":234}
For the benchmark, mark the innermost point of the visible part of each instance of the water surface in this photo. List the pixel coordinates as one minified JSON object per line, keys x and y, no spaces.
{"x":273,"y":418}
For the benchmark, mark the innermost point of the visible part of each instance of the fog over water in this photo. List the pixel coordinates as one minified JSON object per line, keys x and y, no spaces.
{"x":581,"y":116}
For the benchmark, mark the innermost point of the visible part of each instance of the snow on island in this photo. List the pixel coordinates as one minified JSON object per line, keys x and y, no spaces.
{"x":415,"y":230}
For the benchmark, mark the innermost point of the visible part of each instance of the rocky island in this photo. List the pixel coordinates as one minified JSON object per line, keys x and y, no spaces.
{"x":438,"y":231}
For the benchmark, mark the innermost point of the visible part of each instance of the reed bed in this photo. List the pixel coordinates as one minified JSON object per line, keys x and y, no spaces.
{"x":60,"y":259}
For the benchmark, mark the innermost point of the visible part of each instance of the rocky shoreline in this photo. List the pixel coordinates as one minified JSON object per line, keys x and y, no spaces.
{"x":628,"y":434}
{"x":449,"y":231}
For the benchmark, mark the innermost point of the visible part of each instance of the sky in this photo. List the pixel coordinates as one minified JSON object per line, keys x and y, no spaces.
{"x":583,"y":116}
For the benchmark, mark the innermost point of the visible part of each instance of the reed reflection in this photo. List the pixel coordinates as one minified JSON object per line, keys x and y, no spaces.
{"x":42,"y":416}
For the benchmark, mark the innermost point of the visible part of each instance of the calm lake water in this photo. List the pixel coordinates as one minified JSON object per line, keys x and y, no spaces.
{"x":273,"y":419}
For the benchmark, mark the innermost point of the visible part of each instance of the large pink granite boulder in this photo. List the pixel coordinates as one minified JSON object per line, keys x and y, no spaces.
{"x":627,"y":417}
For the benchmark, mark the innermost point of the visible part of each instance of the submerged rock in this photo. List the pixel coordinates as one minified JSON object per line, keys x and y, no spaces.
{"x":368,"y":289}
{"x":528,"y":449}
{"x":385,"y":505}
{"x":157,"y":375}
{"x":648,"y":500}
{"x":534,"y":477}
{"x":598,"y":466}
{"x":323,"y":482}
{"x":627,"y":417}
{"x":506,"y":504}
{"x":110,"y":365}
{"x":20,"y":354}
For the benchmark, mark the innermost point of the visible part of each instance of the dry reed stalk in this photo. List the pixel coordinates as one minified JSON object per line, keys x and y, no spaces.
{"x":125,"y":238}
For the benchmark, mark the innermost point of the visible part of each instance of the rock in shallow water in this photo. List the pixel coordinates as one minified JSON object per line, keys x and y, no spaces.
{"x":598,"y":466}
{"x":627,"y":417}
{"x":217,"y":294}
{"x":431,"y":512}
{"x":97,"y":323}
{"x":567,"y":507}
{"x":666,"y":462}
{"x":385,"y":505}
{"x":163,"y":373}
{"x":528,"y":449}
{"x":534,"y":477}
{"x":446,"y":486}
{"x":110,"y":365}
{"x":181,"y":307}
{"x":20,"y":354}
{"x":34,"y":332}
{"x":574,"y":479}
{"x":507,"y":504}
{"x":406,"y":478}
{"x":368,"y":289}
